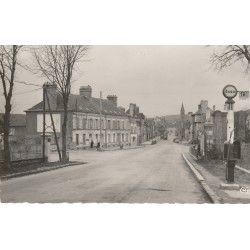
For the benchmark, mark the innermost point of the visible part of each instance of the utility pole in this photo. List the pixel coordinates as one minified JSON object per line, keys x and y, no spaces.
{"x":53,"y":126}
{"x":100,"y":119}
{"x":43,"y":152}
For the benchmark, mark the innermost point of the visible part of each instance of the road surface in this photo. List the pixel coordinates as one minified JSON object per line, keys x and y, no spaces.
{"x":152,"y":174}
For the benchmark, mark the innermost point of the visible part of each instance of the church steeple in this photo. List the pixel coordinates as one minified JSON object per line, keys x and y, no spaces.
{"x":182,"y":109}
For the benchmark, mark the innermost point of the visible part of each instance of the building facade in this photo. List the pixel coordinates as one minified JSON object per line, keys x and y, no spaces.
{"x":137,"y":127}
{"x":90,"y":120}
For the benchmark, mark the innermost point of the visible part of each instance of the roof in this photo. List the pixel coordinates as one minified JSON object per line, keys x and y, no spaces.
{"x":85,"y":105}
{"x":16,"y":120}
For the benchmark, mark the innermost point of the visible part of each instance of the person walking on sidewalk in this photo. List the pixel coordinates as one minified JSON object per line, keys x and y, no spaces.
{"x":98,"y":146}
{"x":91,"y":144}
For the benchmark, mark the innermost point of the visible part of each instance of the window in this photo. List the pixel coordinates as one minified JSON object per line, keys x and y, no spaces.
{"x":12,"y":131}
{"x":77,"y":139}
{"x":113,"y":137}
{"x":122,"y":137}
{"x":83,"y":139}
{"x":96,"y":123}
{"x":84,"y":123}
{"x":109,"y":124}
{"x":103,"y":124}
{"x":109,"y":138}
{"x":77,"y":123}
{"x":90,"y":124}
{"x":118,"y":124}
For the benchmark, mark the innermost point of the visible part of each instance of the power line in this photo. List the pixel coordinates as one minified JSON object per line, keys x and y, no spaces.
{"x":25,"y":92}
{"x":30,"y":84}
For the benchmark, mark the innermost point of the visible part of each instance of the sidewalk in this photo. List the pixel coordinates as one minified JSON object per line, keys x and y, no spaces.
{"x":124,"y":148}
{"x":213,"y":173}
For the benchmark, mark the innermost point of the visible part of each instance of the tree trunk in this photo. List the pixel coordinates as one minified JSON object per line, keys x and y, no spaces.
{"x":6,"y":131}
{"x":64,"y":134}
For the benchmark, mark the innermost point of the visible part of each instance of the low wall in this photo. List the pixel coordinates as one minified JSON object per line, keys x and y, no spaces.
{"x":245,"y":156}
{"x":28,"y":161}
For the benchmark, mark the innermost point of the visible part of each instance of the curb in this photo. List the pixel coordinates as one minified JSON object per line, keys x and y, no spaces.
{"x":211,"y":194}
{"x":46,"y":169}
{"x":123,"y":149}
{"x":242,"y":169}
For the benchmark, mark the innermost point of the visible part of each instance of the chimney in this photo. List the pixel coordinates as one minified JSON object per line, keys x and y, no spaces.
{"x":199,"y":107}
{"x":113,"y":99}
{"x":51,"y":89}
{"x":137,"y":110}
{"x":132,"y":109}
{"x":86,"y":91}
{"x":213,"y":107}
{"x":204,"y":105}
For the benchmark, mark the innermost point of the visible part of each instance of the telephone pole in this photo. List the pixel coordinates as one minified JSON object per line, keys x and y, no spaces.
{"x":100,"y":119}
{"x":43,"y":152}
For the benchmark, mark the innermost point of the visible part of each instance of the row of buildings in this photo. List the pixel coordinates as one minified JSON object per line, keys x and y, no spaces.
{"x":90,"y":120}
{"x":208,"y":128}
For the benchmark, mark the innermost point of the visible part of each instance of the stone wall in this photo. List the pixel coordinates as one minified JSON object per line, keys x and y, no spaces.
{"x":219,"y":131}
{"x":242,"y":132}
{"x":245,"y":156}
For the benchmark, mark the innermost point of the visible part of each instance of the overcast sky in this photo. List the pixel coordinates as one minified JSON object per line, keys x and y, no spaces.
{"x":157,"y":78}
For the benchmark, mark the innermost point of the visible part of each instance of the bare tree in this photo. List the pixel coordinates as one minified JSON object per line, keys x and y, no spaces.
{"x":225,"y":56}
{"x":9,"y":61}
{"x":57,"y":64}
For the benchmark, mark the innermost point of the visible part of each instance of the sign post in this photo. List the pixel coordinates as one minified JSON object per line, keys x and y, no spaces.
{"x":229,"y":92}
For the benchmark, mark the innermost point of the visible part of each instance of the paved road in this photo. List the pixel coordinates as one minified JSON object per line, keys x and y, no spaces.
{"x":153,"y":174}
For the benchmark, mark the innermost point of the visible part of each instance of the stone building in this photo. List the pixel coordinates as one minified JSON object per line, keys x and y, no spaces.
{"x":137,"y":128}
{"x":241,"y":134}
{"x":202,"y":122}
{"x":87,"y":117}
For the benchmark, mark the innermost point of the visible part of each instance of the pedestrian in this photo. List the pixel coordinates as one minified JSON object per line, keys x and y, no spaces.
{"x":98,"y":146}
{"x":91,"y":144}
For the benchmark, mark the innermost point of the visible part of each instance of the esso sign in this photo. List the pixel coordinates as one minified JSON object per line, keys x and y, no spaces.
{"x":229,"y":91}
